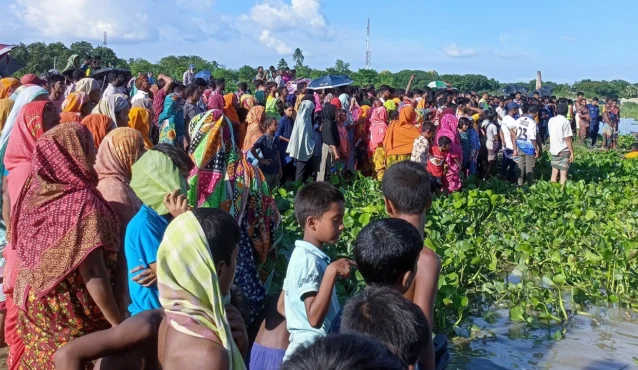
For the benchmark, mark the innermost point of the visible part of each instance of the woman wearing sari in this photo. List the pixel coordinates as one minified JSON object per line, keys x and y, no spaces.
{"x":399,"y":139}
{"x":140,"y":119}
{"x":66,"y":237}
{"x":171,"y":122}
{"x":378,"y":129}
{"x":329,"y":138}
{"x":254,"y":131}
{"x":115,"y":107}
{"x":99,"y":125}
{"x":240,"y":189}
{"x":302,"y":143}
{"x":73,"y":108}
{"x":448,"y":127}
{"x":91,"y":88}
{"x":230,"y":111}
{"x":247,"y":101}
{"x":118,"y":152}
{"x":8,"y":86}
{"x":33,"y":120}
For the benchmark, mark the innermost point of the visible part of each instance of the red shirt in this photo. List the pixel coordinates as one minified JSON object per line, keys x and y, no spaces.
{"x":436,"y":162}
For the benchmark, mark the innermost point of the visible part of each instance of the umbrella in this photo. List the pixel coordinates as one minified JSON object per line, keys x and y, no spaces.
{"x":439,"y":85}
{"x":103,"y":72}
{"x":205,"y":75}
{"x":544,"y":91}
{"x":521,"y":89}
{"x":10,"y":65}
{"x":509,"y":90}
{"x":329,"y":82}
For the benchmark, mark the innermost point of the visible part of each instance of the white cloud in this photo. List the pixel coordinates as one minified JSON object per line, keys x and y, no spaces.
{"x":454,"y":51}
{"x":274,"y":43}
{"x":305,"y":15}
{"x":86,"y":19}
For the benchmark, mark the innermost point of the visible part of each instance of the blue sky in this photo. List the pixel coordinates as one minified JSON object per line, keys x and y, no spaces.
{"x":508,"y":42}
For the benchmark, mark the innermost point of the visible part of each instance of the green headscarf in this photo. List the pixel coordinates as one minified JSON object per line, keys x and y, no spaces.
{"x":72,"y":63}
{"x":154,"y":176}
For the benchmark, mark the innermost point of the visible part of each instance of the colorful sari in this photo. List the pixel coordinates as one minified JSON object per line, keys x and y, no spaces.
{"x":189,"y":288}
{"x":171,"y":121}
{"x":399,"y":139}
{"x":448,"y":128}
{"x":60,"y":219}
{"x":222,"y":178}
{"x":7,"y":86}
{"x":229,"y":108}
{"x":255,"y":118}
{"x":215,"y":101}
{"x":140,"y":120}
{"x":99,"y":125}
{"x":247,"y":101}
{"x":74,"y":101}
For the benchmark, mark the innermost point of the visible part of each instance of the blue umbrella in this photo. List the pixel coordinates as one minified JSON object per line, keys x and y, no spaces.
{"x":329,"y":82}
{"x":205,"y":75}
{"x":10,"y":65}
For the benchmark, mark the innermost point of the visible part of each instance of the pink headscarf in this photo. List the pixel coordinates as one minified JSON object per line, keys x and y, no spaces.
{"x":448,"y":128}
{"x":378,"y":128}
{"x":216,"y":101}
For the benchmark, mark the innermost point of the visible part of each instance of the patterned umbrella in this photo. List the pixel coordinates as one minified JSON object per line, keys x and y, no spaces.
{"x":439,"y":85}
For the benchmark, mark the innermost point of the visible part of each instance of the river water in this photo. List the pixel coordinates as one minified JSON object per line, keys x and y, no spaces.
{"x":627,"y":125}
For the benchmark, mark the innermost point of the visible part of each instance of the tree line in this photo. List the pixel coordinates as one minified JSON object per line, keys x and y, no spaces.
{"x":40,"y":57}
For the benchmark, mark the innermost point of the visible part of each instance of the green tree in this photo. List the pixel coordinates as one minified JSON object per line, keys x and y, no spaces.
{"x":282,"y":64}
{"x":631,"y":91}
{"x":141,"y":65}
{"x":365,"y":77}
{"x":82,"y":49}
{"x":298,"y":57}
{"x":109,"y":59}
{"x":246,"y":74}
{"x":340,"y":68}
{"x":57,"y":54}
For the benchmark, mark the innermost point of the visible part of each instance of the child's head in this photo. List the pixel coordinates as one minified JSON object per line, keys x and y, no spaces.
{"x":464,"y":124}
{"x":344,"y":352}
{"x":406,"y":189}
{"x":385,"y":315}
{"x":428,"y":129}
{"x":444,"y":144}
{"x":386,"y":252}
{"x":269,"y":125}
{"x":393,"y":115}
{"x":222,"y":234}
{"x":319,"y":208}
{"x":289,"y":109}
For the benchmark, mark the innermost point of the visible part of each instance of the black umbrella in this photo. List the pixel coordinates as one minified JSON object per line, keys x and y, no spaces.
{"x":509,"y":90}
{"x":521,"y":89}
{"x":329,"y":82}
{"x":10,"y":65}
{"x":544,"y":91}
{"x":103,"y":72}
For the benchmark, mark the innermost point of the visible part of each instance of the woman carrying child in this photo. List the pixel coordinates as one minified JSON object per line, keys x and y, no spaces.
{"x":399,"y":140}
{"x":449,"y":128}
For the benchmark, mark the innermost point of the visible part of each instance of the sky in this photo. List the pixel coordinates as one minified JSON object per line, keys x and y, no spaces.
{"x":507,"y":42}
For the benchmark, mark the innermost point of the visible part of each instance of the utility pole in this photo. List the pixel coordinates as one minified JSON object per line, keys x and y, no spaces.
{"x":104,"y":42}
{"x":368,"y":55}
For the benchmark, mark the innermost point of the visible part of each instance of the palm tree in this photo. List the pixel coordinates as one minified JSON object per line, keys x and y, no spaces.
{"x":298,"y":57}
{"x":282,"y":64}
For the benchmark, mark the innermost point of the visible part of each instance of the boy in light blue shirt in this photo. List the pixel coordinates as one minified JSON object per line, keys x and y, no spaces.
{"x":310,"y":300}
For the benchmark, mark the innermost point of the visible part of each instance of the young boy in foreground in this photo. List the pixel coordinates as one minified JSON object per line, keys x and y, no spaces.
{"x":406,"y":191}
{"x":310,"y":299}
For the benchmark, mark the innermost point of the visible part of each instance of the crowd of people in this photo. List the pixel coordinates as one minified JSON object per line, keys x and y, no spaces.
{"x":138,"y":226}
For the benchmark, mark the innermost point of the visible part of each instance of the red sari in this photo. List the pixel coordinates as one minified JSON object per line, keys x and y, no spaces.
{"x":60,"y":218}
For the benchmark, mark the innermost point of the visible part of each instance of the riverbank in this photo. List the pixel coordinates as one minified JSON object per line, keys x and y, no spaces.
{"x":629,"y":110}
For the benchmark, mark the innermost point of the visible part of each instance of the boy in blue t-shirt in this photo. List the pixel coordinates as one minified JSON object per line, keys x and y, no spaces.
{"x":310,"y":299}
{"x":594,"y":120}
{"x":145,"y":231}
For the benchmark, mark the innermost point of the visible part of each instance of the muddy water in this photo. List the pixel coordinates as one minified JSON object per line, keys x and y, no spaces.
{"x":602,"y":339}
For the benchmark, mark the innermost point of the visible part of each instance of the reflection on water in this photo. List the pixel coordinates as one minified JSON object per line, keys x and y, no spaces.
{"x":626,"y":126}
{"x":607,"y":339}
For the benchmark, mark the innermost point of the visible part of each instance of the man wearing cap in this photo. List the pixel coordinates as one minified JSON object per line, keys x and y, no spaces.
{"x":508,"y":128}
{"x":189,"y":75}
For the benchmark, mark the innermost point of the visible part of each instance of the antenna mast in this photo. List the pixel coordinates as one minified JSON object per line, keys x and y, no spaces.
{"x":104,"y":42}
{"x":368,"y":57}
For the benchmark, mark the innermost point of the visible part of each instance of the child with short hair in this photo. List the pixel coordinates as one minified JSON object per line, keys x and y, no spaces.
{"x":385,"y":315}
{"x":421,"y":147}
{"x":268,"y":146}
{"x":407,"y":195}
{"x":436,"y":166}
{"x":344,"y":352}
{"x":310,"y":299}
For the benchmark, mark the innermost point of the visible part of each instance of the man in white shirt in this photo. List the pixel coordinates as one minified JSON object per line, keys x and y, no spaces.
{"x":560,"y":144}
{"x":525,"y":144}
{"x":500,"y":110}
{"x":143,"y":87}
{"x":115,"y":86}
{"x":493,"y":141}
{"x":508,"y":127}
{"x":189,"y":75}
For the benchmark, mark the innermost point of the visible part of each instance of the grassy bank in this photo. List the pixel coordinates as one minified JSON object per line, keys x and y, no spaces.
{"x":629,"y":110}
{"x":567,"y":248}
